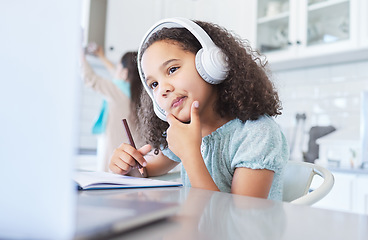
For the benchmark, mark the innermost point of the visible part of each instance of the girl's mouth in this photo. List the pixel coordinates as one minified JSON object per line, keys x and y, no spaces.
{"x":177,"y":102}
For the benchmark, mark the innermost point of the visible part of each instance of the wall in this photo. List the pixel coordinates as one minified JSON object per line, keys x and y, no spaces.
{"x":329,"y":95}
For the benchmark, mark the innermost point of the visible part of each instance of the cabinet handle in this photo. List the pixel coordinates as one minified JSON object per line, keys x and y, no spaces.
{"x":298,"y":42}
{"x":289,"y":43}
{"x":111,"y":48}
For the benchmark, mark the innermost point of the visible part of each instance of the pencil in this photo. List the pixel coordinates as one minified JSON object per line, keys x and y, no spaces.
{"x":141,"y":169}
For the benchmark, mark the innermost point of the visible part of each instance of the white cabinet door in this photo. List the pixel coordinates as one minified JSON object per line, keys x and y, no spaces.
{"x":288,"y":30}
{"x":231,"y":14}
{"x":363,"y":23}
{"x":361,"y":199}
{"x":127,"y":22}
{"x":349,"y":193}
{"x":276,"y":26}
{"x":341,"y":196}
{"x":178,"y":8}
{"x":330,"y":26}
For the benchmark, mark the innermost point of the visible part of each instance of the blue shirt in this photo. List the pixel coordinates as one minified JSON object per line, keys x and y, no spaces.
{"x":258,"y":144}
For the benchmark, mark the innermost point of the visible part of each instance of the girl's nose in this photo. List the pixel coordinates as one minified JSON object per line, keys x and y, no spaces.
{"x":165,"y":89}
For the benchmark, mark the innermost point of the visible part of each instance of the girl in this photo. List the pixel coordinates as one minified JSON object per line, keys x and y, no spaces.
{"x":223,"y":134}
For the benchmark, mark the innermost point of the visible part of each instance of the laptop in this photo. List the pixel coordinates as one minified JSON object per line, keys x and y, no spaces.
{"x":120,"y":212}
{"x":39,"y":99}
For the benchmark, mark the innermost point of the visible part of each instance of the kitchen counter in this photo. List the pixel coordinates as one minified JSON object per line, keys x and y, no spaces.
{"x":349,"y":170}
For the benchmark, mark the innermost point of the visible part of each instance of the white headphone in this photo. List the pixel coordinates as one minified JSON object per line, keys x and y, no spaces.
{"x":210,"y":61}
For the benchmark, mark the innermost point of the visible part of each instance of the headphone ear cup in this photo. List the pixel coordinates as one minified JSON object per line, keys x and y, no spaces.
{"x":211,"y":65}
{"x":200,"y":68}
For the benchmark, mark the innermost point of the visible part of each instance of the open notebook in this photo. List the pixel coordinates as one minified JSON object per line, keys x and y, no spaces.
{"x":104,"y":180}
{"x":39,"y":99}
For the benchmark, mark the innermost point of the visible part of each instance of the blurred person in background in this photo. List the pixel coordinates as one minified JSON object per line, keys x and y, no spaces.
{"x":121,"y":97}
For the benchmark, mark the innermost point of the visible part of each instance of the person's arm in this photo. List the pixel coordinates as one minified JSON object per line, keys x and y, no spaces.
{"x":185,"y":141}
{"x":198,"y":174}
{"x":125,"y":157}
{"x":106,"y":62}
{"x":252,"y":182}
{"x":101,"y":85}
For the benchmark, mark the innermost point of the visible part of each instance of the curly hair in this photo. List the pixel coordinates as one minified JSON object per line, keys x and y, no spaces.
{"x":247,"y":92}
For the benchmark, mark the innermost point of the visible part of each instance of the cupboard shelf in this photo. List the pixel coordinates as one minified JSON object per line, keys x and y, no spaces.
{"x":326,"y":4}
{"x":277,"y":17}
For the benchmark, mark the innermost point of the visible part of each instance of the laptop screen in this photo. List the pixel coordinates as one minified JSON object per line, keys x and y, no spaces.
{"x":39,"y":100}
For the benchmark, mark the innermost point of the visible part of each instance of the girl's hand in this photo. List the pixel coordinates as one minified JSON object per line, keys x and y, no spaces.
{"x":185,"y":139}
{"x":125,"y":158}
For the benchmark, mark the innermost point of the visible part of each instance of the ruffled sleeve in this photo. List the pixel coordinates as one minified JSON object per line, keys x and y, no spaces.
{"x":261,"y":145}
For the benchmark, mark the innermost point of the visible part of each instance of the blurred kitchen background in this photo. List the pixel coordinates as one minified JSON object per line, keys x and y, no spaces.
{"x":317,"y":51}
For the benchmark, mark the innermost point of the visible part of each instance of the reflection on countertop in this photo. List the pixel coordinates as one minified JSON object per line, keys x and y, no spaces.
{"x":215,"y":215}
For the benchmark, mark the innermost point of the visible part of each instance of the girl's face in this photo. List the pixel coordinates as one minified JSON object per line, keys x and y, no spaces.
{"x":170,"y":72}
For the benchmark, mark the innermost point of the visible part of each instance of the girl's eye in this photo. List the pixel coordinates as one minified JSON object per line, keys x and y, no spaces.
{"x":172,"y":70}
{"x":153,"y":85}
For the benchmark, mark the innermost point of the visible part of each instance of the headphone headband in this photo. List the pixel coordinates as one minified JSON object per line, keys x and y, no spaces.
{"x":178,"y":22}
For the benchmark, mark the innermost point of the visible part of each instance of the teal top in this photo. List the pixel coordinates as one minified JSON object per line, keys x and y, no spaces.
{"x":255,"y":144}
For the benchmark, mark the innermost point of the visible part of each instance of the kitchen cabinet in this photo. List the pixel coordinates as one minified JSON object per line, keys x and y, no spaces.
{"x":127,"y":21}
{"x":178,"y":8}
{"x":276,"y":28}
{"x":93,"y":21}
{"x":361,"y":200}
{"x":289,"y":30}
{"x":349,"y":193}
{"x":364,"y":23}
{"x":231,"y":14}
{"x":341,"y":195}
